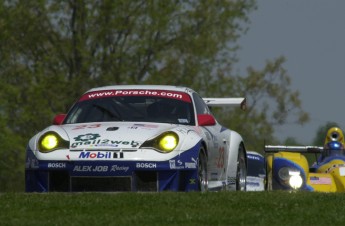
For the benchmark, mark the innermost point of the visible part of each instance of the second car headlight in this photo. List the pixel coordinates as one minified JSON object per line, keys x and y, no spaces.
{"x":295,"y":180}
{"x":290,"y":177}
{"x":51,"y":141}
{"x":166,"y":142}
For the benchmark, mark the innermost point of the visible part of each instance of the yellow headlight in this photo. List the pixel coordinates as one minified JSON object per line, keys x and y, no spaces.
{"x":165,"y":142}
{"x":168,"y":142}
{"x":51,"y":141}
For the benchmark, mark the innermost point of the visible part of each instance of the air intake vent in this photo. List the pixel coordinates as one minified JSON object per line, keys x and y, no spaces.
{"x":101,"y":184}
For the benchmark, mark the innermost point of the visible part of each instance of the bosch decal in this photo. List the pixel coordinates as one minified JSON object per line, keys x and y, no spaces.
{"x":146,"y":165}
{"x":57,"y":165}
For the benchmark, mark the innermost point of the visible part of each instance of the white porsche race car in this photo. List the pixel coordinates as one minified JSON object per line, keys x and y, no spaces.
{"x":137,"y":138}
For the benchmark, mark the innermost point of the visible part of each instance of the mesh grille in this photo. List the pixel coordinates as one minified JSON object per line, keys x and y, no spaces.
{"x":146,"y":181}
{"x":101,"y":184}
{"x":60,"y":181}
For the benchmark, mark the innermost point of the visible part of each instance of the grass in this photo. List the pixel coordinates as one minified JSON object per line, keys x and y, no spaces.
{"x":167,"y":208}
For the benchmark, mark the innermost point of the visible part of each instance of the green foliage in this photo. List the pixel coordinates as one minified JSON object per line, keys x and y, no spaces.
{"x":269,"y":103}
{"x":53,"y":51}
{"x":291,"y":141}
{"x":219,"y":208}
{"x":12,"y":159}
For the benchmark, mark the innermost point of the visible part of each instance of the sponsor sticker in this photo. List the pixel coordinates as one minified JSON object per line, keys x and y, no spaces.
{"x":342,"y":171}
{"x":320,"y":180}
{"x":190,"y":165}
{"x":176,"y":164}
{"x":90,"y":168}
{"x":32,"y":163}
{"x":87,"y":137}
{"x":145,"y":126}
{"x":100,"y":155}
{"x":254,"y":184}
{"x":146,"y":165}
{"x":156,"y":93}
{"x":100,"y":168}
{"x":183,"y":120}
{"x":119,"y":168}
{"x":253,"y":157}
{"x":91,"y":139}
{"x":90,"y":126}
{"x":57,"y":165}
{"x":334,"y":166}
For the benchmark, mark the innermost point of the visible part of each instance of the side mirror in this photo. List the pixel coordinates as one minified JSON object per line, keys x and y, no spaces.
{"x":58,"y":119}
{"x":206,"y":120}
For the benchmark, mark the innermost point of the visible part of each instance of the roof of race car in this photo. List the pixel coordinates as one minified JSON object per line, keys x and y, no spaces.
{"x":153,"y":87}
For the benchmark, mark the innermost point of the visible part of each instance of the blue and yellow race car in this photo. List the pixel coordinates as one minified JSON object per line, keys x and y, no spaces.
{"x":288,"y":167}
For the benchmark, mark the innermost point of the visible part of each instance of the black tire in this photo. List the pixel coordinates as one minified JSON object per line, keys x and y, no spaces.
{"x":241,"y":174}
{"x":202,"y":171}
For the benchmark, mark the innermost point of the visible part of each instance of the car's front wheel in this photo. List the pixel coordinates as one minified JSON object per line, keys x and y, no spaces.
{"x":202,"y":171}
{"x":241,"y":174}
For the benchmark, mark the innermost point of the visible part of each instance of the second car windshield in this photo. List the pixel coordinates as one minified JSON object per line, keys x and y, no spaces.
{"x":132,"y":108}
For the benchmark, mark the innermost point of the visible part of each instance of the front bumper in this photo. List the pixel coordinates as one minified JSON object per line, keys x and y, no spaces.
{"x":177,"y":174}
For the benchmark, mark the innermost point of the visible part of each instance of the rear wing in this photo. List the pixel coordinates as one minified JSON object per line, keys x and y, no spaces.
{"x":222,"y":102}
{"x":300,"y":149}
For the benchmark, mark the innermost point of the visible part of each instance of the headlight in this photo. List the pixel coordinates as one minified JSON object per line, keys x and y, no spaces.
{"x":283,"y":173}
{"x":290,"y":177}
{"x":165,"y":142}
{"x":295,"y":180}
{"x":51,"y":141}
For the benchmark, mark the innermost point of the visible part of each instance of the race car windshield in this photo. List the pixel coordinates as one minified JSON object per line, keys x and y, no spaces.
{"x":132,"y":109}
{"x":331,"y":152}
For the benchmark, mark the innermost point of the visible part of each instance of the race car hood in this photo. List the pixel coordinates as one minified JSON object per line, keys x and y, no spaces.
{"x":108,"y":135}
{"x":112,"y":135}
{"x":102,"y":139}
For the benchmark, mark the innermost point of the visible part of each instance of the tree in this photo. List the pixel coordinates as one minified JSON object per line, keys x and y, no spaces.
{"x":270,"y":103}
{"x":291,"y":141}
{"x":53,"y":51}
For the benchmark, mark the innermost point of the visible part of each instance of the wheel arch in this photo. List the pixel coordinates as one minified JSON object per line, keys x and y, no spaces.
{"x":236,"y":144}
{"x":245,"y":153}
{"x":203,"y":144}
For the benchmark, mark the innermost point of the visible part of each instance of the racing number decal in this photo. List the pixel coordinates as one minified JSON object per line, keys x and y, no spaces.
{"x":87,"y":126}
{"x":220,"y":161}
